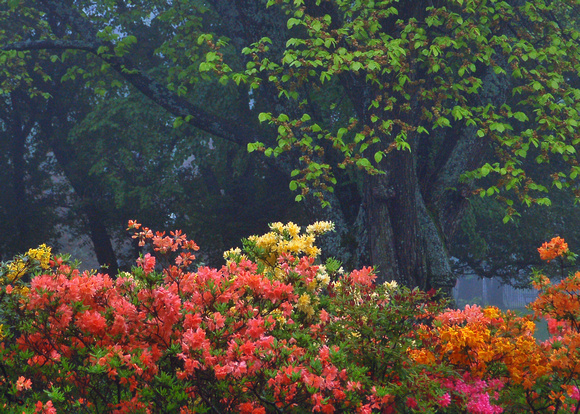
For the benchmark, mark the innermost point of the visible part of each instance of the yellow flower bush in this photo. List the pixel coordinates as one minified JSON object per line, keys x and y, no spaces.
{"x":11,"y":274}
{"x":286,"y":239}
{"x":15,"y":270}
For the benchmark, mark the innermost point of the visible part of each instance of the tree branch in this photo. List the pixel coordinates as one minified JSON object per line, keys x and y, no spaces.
{"x":51,"y":44}
{"x":233,"y":130}
{"x":227,"y":129}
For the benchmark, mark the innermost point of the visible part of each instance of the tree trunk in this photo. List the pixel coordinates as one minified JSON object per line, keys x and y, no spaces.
{"x":19,"y":204}
{"x":395,"y":248}
{"x":405,"y":243}
{"x":101,"y":241}
{"x":78,"y":179}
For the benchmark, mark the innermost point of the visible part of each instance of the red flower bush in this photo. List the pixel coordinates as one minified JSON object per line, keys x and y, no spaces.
{"x":253,"y":336}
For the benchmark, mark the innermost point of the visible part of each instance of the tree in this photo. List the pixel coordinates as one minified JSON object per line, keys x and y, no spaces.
{"x":415,"y":94}
{"x":26,"y":198}
{"x":117,"y":157}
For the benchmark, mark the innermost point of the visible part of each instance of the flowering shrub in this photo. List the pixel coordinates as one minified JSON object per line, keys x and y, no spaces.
{"x":501,"y":365}
{"x":271,"y":331}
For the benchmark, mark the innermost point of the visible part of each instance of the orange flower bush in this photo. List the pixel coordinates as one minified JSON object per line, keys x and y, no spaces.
{"x":489,"y":349}
{"x":559,"y":304}
{"x":487,"y":345}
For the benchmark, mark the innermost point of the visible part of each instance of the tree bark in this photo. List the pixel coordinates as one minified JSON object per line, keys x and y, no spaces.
{"x":392,"y":223}
{"x":101,"y":240}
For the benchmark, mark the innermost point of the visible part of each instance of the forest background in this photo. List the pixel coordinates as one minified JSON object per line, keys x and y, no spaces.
{"x":423,"y":130}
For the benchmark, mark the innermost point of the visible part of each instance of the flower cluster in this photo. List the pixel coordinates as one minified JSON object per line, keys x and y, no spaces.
{"x":556,"y":247}
{"x":34,"y":259}
{"x":286,"y":239}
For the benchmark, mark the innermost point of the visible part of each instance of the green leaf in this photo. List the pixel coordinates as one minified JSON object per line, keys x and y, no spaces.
{"x":177,"y":122}
{"x":364,"y":163}
{"x":497,"y":126}
{"x":293,"y":185}
{"x":378,"y":156}
{"x":293,"y":22}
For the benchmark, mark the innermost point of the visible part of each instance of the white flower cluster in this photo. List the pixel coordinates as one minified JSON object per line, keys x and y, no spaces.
{"x":322,"y":276}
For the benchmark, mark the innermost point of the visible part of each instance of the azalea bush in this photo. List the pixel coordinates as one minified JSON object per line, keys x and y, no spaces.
{"x":502,"y":367}
{"x":269,"y":331}
{"x":273,"y":330}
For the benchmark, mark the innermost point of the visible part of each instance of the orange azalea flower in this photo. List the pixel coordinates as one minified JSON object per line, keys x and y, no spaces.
{"x":552,"y":249}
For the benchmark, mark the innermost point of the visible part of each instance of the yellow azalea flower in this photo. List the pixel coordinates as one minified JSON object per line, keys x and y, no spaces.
{"x":232,"y":253}
{"x":42,"y":254}
{"x":322,"y":276}
{"x":320,"y":227}
{"x":492,"y":312}
{"x":21,"y":290}
{"x":304,"y":305}
{"x":279,"y":274}
{"x":286,"y":238}
{"x":391,"y":285}
{"x":278,"y":227}
{"x":267,"y":241}
{"x":292,"y":229}
{"x":303,"y":301}
{"x":16,"y":270}
{"x":277,"y":314}
{"x":312,"y":251}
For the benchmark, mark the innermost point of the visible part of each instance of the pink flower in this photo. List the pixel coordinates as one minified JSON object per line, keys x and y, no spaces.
{"x":48,"y":408}
{"x":364,"y":277}
{"x":574,"y":393}
{"x":480,"y":404}
{"x":147,"y":263}
{"x":445,"y":400}
{"x":23,"y":384}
